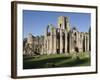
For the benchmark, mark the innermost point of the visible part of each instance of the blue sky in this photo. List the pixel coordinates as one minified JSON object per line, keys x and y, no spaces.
{"x":35,"y":22}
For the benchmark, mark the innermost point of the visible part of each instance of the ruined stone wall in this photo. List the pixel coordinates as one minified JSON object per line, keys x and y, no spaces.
{"x":66,"y":40}
{"x":60,"y":40}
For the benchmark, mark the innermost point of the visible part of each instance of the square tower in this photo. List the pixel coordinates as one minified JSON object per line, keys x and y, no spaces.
{"x":63,"y":23}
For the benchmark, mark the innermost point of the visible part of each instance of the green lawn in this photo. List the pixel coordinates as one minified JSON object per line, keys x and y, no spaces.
{"x":55,"y":60}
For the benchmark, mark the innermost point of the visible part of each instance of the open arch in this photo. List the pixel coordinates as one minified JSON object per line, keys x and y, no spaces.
{"x":76,"y":49}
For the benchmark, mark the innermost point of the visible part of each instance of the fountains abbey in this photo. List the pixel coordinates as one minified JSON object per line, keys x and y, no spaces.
{"x":58,"y":40}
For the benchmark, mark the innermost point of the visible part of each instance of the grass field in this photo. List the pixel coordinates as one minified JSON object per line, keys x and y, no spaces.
{"x":55,"y":60}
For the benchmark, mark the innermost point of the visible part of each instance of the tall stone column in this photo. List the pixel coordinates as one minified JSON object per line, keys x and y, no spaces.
{"x":55,"y":42}
{"x":61,"y":22}
{"x":66,"y":41}
{"x":81,"y":42}
{"x":51,"y":50}
{"x":45,"y":42}
{"x":48,"y":45}
{"x":70,"y":42}
{"x":78,"y":42}
{"x":61,"y":41}
{"x":87,"y":42}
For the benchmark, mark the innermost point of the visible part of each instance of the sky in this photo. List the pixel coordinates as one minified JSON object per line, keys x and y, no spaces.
{"x":35,"y":22}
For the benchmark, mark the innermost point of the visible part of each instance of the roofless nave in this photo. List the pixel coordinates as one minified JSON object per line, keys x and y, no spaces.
{"x":60,"y":39}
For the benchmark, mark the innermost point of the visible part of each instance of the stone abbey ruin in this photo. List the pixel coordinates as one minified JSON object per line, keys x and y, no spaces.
{"x":58,"y":40}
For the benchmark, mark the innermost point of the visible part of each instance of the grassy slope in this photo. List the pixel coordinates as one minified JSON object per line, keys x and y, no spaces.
{"x":55,"y":60}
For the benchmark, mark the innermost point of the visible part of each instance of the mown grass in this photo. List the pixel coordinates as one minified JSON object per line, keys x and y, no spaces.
{"x":56,"y":60}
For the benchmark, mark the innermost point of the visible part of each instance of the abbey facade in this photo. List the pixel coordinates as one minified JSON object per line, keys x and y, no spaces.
{"x":59,"y":40}
{"x":63,"y":39}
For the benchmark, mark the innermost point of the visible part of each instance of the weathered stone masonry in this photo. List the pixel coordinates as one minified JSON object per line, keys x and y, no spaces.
{"x":64,"y":39}
{"x":58,"y":40}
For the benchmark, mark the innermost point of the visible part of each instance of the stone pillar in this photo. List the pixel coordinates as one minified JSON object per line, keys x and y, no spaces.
{"x":61,"y":22}
{"x":46,"y":41}
{"x":55,"y":42}
{"x":78,"y":41}
{"x":31,"y":44}
{"x":66,"y":42}
{"x":48,"y":45}
{"x":61,"y":41}
{"x":45,"y":45}
{"x":70,"y":42}
{"x":87,"y":42}
{"x":30,"y":39}
{"x":51,"y":42}
{"x":67,"y":24}
{"x":81,"y":42}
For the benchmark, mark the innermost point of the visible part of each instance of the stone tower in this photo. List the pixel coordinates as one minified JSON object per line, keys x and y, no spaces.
{"x":30,"y":39}
{"x":29,"y":45}
{"x":63,"y":23}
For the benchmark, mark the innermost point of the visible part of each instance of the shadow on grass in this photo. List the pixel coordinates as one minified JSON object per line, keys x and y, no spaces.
{"x":27,"y":58}
{"x":76,"y":62}
{"x":45,"y":63}
{"x":53,"y":62}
